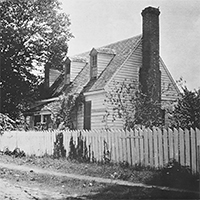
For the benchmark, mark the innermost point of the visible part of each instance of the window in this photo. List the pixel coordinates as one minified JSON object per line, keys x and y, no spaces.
{"x":87,"y":115}
{"x":163,"y":114}
{"x":37,"y":120}
{"x":47,"y":118}
{"x":93,"y":66}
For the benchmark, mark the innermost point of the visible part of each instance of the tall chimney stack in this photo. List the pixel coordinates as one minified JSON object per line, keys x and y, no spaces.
{"x":150,"y":75}
{"x":67,"y":69}
{"x":46,"y":76}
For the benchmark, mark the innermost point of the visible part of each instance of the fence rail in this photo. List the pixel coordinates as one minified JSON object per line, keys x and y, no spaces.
{"x":140,"y":146}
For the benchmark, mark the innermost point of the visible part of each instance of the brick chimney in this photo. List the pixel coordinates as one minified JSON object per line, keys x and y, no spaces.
{"x":46,"y":76}
{"x":67,"y":66}
{"x":150,"y":75}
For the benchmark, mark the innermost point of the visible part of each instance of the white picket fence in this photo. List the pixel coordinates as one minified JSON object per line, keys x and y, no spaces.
{"x":141,"y":146}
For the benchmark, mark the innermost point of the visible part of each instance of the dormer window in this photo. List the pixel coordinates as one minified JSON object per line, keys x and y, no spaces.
{"x":99,"y":60}
{"x":93,"y":64}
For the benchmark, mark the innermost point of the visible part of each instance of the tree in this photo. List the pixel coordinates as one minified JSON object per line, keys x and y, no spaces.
{"x":63,"y":109}
{"x":186,"y":113}
{"x":32,"y":33}
{"x":125,"y":101}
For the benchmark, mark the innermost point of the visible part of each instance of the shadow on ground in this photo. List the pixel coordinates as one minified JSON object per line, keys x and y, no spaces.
{"x":124,"y":192}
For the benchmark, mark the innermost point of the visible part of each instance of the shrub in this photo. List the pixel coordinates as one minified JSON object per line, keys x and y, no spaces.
{"x":59,"y":150}
{"x":79,"y":152}
{"x":177,"y":176}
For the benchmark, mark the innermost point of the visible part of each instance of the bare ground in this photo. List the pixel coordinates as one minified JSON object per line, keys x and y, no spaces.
{"x":32,"y":185}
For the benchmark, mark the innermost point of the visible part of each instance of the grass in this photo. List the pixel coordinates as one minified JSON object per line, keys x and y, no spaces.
{"x":172,"y":175}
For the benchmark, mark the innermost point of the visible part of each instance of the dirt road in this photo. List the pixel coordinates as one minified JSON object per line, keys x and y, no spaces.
{"x":21,"y":181}
{"x":24,"y":183}
{"x":11,"y":191}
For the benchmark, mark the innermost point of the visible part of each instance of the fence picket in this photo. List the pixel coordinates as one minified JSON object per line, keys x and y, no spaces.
{"x":171,"y":144}
{"x":110,"y":145}
{"x":142,"y":146}
{"x":100,"y":150}
{"x":124,"y":148}
{"x":165,"y":146}
{"x":151,"y":156}
{"x":128,"y":143}
{"x":160,"y":148}
{"x":176,"y":145}
{"x":100,"y":146}
{"x":117,"y":143}
{"x":198,"y":149}
{"x":96,"y":145}
{"x":187,"y":147}
{"x":132,"y":147}
{"x":120,"y":143}
{"x":137,"y":149}
{"x":193,"y":150}
{"x":155,"y":146}
{"x":146,"y":149}
{"x":182,"y":147}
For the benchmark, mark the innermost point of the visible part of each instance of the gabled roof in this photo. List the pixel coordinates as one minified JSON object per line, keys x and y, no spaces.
{"x":121,"y":51}
{"x":104,"y":50}
{"x":82,"y":83}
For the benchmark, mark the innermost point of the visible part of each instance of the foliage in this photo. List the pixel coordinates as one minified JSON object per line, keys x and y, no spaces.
{"x":132,"y":106}
{"x":15,"y":153}
{"x":32,"y":33}
{"x":106,"y":152}
{"x":6,"y":123}
{"x":187,"y":110}
{"x":62,"y":109}
{"x":79,"y":152}
{"x":176,"y":175}
{"x":59,"y":150}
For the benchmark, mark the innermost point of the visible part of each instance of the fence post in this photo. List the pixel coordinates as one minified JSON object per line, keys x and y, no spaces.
{"x":198,"y":149}
{"x":198,"y":158}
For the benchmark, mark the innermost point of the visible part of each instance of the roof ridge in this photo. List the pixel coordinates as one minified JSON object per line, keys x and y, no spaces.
{"x":105,"y":46}
{"x":121,"y":41}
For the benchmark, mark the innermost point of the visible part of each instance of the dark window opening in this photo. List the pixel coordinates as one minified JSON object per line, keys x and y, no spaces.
{"x":37,"y":120}
{"x":163,"y":115}
{"x":47,"y":119}
{"x":94,"y":66}
{"x":87,"y":115}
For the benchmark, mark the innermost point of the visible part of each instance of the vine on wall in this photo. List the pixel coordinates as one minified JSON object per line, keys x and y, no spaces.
{"x":62,"y":109}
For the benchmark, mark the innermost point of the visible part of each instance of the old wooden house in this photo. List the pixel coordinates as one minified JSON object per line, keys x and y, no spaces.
{"x":93,"y":73}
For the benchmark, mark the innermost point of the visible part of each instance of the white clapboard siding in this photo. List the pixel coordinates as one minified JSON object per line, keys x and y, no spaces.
{"x":146,"y":147}
{"x":130,"y":69}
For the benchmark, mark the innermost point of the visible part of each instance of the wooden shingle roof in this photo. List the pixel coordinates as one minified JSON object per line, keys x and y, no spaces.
{"x":121,"y":50}
{"x":83,"y":83}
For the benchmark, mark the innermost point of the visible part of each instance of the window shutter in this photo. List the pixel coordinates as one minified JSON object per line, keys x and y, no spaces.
{"x":87,"y":115}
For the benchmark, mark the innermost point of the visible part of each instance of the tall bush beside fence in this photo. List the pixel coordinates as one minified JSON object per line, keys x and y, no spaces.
{"x":136,"y":147}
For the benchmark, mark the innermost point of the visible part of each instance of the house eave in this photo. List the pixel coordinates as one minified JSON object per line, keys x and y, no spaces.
{"x":94,"y":92}
{"x":49,"y":100}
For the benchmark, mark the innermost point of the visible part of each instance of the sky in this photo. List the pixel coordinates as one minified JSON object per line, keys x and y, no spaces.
{"x":95,"y":23}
